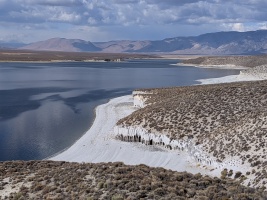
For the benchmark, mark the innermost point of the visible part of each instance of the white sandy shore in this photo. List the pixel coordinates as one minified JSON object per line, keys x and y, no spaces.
{"x":212,"y":66}
{"x":99,"y":145}
{"x":228,"y":79}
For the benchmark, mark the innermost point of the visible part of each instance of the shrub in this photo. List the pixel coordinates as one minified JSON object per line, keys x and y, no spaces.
{"x":17,"y":196}
{"x":100,"y":185}
{"x":230,"y":173}
{"x":117,"y":197}
{"x":38,"y":187}
{"x":238,"y":174}
{"x":223,"y":173}
{"x":159,"y":192}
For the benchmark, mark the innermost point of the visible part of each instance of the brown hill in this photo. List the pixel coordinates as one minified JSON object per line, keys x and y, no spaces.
{"x":220,"y":43}
{"x":62,"y":44}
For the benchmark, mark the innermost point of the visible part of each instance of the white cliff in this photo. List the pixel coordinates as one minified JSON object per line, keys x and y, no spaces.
{"x":138,"y":134}
{"x":139,"y":101}
{"x":141,"y":135}
{"x":139,"y":98}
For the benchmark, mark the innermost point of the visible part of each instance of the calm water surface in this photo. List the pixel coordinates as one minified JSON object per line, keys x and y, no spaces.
{"x":44,"y":108}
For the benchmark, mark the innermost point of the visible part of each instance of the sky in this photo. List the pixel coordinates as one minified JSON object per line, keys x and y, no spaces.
{"x":104,"y":20}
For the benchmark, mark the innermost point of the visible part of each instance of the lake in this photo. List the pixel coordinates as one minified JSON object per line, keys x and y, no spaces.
{"x":46,"y":107}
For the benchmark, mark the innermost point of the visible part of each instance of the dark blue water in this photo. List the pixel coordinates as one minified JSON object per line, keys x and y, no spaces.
{"x":44,"y":108}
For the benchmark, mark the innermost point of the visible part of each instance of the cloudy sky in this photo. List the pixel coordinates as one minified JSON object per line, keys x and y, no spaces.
{"x":104,"y":20}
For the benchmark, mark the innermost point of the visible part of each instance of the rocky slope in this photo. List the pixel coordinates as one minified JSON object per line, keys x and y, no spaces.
{"x":116,"y":181}
{"x":221,"y":125}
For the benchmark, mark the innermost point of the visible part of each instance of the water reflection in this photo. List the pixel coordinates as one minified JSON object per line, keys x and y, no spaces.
{"x":44,"y":108}
{"x":16,"y":101}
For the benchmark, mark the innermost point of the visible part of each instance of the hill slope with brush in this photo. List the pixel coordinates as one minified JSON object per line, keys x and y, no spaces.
{"x":63,"y":180}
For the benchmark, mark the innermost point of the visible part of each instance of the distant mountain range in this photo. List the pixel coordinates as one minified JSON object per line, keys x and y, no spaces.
{"x":220,"y":43}
{"x":11,"y":45}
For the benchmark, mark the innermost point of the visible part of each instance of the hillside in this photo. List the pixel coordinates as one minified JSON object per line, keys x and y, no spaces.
{"x":62,"y":44}
{"x":243,"y":61}
{"x":10,"y":45}
{"x":116,"y":181}
{"x":223,"y":126}
{"x":220,"y":43}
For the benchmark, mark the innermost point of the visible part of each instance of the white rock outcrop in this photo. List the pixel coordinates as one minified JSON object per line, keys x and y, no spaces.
{"x":259,"y":72}
{"x":144,"y":136}
{"x":138,"y":134}
{"x":139,"y":101}
{"x":139,"y":98}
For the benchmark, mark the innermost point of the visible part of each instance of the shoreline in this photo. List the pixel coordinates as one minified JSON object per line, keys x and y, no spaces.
{"x":228,"y":79}
{"x":98,"y":144}
{"x":56,"y":61}
{"x":213,"y":66}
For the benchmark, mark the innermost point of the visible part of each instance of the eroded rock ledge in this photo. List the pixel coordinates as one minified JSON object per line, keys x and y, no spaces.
{"x":138,"y":134}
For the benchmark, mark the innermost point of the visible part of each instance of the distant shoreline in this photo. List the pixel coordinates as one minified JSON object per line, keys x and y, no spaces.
{"x":55,"y":61}
{"x":58,"y":56}
{"x":229,"y":66}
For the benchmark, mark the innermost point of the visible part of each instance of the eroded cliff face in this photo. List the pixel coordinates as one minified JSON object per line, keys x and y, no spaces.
{"x":139,"y":134}
{"x":139,"y":101}
{"x":221,"y":126}
{"x":140,"y":98}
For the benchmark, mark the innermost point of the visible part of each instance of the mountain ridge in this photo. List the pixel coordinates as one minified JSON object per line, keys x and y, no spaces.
{"x":218,"y":43}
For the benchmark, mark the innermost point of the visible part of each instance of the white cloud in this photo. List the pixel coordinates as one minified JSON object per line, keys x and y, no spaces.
{"x":137,"y":12}
{"x":238,"y":27}
{"x":66,"y":3}
{"x":241,"y":27}
{"x":65,"y":17}
{"x":129,"y":15}
{"x":91,"y":21}
{"x":263,"y":26}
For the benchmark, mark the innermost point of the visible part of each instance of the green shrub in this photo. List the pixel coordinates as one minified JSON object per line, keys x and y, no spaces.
{"x":224,"y":173}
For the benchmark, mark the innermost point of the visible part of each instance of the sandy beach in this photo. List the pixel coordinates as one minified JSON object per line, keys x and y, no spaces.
{"x":98,"y":144}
